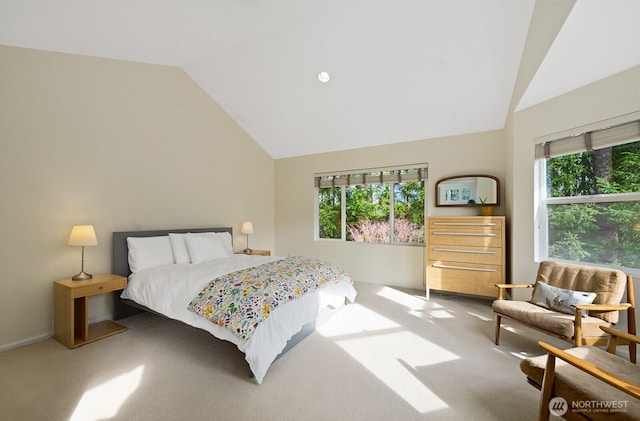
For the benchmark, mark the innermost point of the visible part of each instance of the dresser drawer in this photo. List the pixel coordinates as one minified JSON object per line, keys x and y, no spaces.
{"x":465,"y":221}
{"x":486,"y":237}
{"x":465,"y":277}
{"x":466,"y":254}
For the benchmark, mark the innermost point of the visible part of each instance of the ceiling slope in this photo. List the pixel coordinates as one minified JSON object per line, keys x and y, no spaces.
{"x":400,"y":71}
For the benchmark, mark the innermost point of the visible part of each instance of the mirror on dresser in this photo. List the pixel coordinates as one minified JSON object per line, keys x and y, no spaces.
{"x":468,"y":190}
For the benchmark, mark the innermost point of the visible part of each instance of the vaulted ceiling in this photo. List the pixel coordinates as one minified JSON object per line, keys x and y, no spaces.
{"x":400,"y":70}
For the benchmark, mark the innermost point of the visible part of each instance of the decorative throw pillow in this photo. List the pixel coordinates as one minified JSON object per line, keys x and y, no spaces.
{"x":559,"y":299}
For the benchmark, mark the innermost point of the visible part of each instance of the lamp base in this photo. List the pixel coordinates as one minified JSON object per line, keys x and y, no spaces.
{"x":247,"y":251}
{"x":82,"y":276}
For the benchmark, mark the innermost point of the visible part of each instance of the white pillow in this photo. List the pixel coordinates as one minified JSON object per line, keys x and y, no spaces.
{"x":203,"y":248}
{"x":181,"y":251}
{"x":149,"y":252}
{"x":179,"y":247}
{"x":226,"y":241}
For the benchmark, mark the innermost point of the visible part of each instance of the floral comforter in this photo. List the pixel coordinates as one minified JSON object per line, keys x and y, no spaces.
{"x":241,"y":300}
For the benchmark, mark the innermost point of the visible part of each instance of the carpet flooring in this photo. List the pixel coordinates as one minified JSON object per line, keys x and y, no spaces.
{"x":392,"y":355}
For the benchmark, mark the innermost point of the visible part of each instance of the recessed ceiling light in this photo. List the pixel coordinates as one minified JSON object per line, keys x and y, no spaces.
{"x":324,"y":77}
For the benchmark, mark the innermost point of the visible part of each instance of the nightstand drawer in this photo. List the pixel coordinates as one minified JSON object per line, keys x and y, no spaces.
{"x":99,"y":288}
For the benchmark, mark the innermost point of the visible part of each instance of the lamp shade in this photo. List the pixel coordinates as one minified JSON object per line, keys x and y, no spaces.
{"x":247,"y":227}
{"x":83,"y":235}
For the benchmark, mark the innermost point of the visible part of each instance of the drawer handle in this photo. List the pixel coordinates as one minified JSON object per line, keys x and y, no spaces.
{"x":466,"y":251}
{"x":467,"y":224}
{"x":471,"y":234}
{"x":100,"y":287}
{"x":463,"y":268}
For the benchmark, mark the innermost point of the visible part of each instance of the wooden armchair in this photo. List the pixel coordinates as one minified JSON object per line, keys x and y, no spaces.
{"x":605,"y":287}
{"x":586,"y":382}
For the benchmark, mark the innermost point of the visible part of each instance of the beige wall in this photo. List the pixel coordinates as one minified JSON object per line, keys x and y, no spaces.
{"x":606,"y":99}
{"x":479,"y":153}
{"x":132,"y":146}
{"x":119,"y":145}
{"x":609,"y":98}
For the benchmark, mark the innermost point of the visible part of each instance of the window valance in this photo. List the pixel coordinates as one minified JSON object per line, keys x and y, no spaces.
{"x":590,"y":140}
{"x":416,"y":172}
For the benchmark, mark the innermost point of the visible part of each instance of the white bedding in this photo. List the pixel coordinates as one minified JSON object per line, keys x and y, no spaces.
{"x":169,"y":289}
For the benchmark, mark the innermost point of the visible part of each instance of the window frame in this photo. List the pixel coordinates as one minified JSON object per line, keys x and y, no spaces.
{"x":343,"y":216}
{"x":542,"y":201}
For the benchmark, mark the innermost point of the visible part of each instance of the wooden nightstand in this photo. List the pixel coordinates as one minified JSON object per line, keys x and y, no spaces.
{"x":257,"y":253}
{"x":70,"y":309}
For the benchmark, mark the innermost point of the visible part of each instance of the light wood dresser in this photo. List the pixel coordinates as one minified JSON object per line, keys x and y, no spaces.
{"x":466,"y":254}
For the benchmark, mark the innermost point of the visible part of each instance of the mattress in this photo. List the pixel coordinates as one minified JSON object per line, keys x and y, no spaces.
{"x":169,"y":289}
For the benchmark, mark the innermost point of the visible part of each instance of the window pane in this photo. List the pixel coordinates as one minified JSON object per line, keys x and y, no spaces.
{"x":600,"y":233}
{"x":625,"y":170}
{"x":571,"y":175}
{"x":408,"y":212}
{"x":329,"y":212}
{"x":368,"y":211}
{"x":604,"y":171}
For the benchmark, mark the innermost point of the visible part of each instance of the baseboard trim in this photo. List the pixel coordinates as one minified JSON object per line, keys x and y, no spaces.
{"x":41,"y":338}
{"x":28,"y":341}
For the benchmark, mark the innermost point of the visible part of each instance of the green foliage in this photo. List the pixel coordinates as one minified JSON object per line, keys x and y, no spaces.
{"x":409,"y":202}
{"x":576,"y":218}
{"x":368,"y":212}
{"x":595,"y":232}
{"x":367,"y":202}
{"x":569,"y":247}
{"x":571,"y":175}
{"x":329,"y":202}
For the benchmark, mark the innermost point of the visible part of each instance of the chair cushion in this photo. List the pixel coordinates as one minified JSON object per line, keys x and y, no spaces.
{"x":608,"y":284}
{"x":575,"y":385}
{"x":549,"y":320}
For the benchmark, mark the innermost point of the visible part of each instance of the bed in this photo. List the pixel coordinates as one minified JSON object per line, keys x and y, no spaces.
{"x":174,"y":273}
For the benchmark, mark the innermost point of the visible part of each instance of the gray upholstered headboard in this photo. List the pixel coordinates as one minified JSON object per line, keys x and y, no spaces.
{"x":120,"y":262}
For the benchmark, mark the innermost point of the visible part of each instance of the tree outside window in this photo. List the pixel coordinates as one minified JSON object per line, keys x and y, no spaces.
{"x":385,"y":212}
{"x":329,"y":212}
{"x":593,"y":206}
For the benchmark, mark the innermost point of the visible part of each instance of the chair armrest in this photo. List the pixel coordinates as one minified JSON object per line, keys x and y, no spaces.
{"x":507,"y":286}
{"x":503,"y":287}
{"x":620,"y":334}
{"x":593,"y":370}
{"x":603,"y":307}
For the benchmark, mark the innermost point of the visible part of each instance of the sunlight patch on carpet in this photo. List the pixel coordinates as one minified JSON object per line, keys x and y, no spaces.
{"x":480,"y":316}
{"x":353,"y":319}
{"x":390,"y":352}
{"x":395,"y":358}
{"x":104,"y":401}
{"x":411,"y":302}
{"x":441,"y":314}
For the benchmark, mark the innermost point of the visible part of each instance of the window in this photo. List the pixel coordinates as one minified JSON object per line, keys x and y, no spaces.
{"x":590,"y":197}
{"x":372,"y":206}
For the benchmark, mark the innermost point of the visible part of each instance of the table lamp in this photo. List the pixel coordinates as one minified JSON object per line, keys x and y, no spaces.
{"x":82,"y":235}
{"x":247,"y":228}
